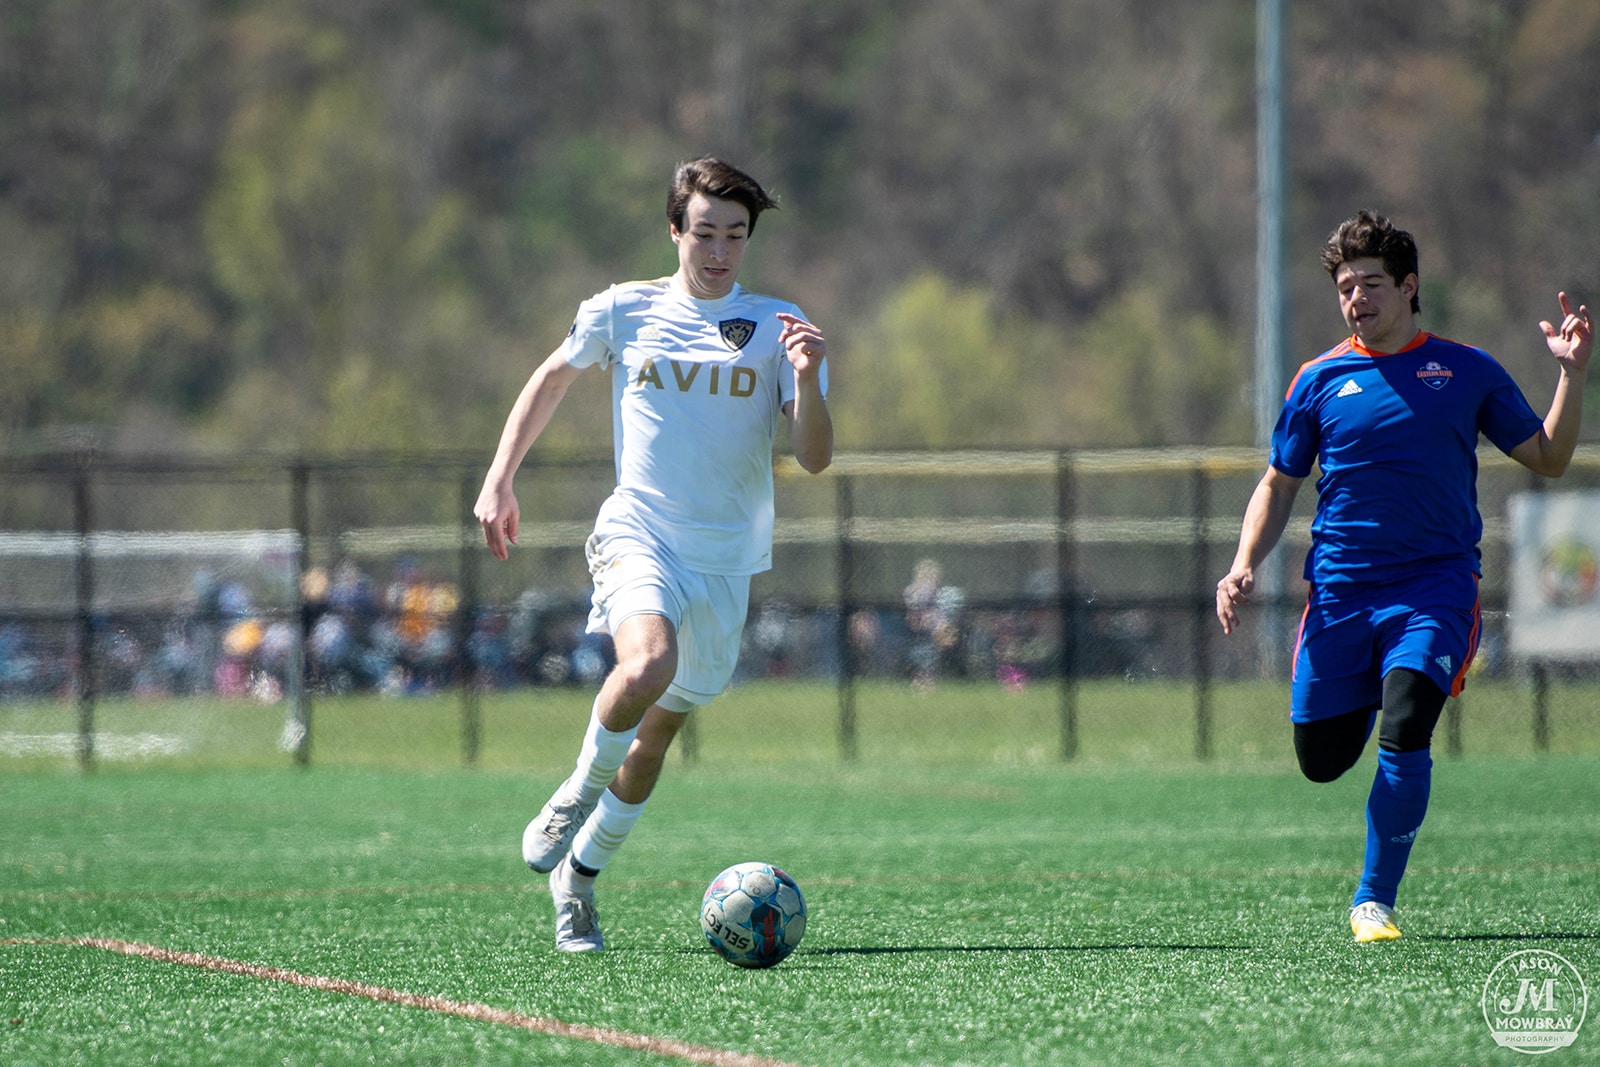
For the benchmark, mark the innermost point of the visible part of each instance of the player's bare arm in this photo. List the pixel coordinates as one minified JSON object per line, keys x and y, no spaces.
{"x":1549,"y":450}
{"x":497,"y":509}
{"x":1265,"y":518}
{"x":810,"y":425}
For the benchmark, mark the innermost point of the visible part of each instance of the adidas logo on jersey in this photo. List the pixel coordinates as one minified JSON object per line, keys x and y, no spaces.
{"x":1444,"y":663}
{"x":1350,"y":388}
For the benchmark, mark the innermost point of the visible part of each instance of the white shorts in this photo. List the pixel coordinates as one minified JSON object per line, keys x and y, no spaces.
{"x":634,"y":577}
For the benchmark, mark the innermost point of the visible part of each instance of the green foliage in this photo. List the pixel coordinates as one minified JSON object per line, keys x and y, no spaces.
{"x":155,"y":344}
{"x":945,"y":367}
{"x":1154,"y":374}
{"x":941,"y":366}
{"x":219,"y":216}
{"x":351,"y":297}
{"x":592,"y":202}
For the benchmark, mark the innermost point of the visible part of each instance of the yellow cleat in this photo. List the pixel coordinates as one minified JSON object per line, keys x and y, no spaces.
{"x":1371,"y":921}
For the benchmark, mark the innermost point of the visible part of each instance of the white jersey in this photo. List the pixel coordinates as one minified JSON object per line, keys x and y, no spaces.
{"x":697,"y":389}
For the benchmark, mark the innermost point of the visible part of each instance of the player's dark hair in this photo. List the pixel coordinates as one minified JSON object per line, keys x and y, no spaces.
{"x":1369,"y":235}
{"x":714,"y":178}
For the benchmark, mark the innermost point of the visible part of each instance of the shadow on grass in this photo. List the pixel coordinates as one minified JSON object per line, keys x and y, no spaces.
{"x":1506,"y":937}
{"x":894,"y":951}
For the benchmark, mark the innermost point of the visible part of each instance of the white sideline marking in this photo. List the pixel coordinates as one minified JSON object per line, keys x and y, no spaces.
{"x":465,"y":1009}
{"x":106,"y":746}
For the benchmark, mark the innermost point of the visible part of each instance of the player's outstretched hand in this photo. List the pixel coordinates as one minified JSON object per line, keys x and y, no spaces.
{"x":804,"y":343}
{"x":1573,"y":341}
{"x":497,"y":512}
{"x":1234,"y":589}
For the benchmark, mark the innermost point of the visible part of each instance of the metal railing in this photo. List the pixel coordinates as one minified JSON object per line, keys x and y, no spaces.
{"x":1107,"y":558}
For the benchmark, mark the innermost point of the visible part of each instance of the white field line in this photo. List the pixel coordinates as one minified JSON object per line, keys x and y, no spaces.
{"x":465,"y":1009}
{"x":107,"y":746}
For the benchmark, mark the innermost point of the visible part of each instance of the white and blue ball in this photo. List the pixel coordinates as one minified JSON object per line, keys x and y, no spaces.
{"x":753,"y":915}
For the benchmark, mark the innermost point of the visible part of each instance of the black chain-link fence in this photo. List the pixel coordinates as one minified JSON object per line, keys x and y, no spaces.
{"x":288,"y":583}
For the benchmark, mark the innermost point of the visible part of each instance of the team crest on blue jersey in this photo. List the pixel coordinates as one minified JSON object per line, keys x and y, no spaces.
{"x":737,"y":332}
{"x":1434,"y":376}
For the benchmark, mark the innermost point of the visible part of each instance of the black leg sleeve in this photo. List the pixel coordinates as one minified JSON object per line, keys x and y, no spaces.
{"x":1412,"y":704}
{"x":1329,"y":747}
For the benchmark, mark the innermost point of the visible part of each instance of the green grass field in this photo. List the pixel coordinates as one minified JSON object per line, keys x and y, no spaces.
{"x":1148,"y":723}
{"x":980,"y":903}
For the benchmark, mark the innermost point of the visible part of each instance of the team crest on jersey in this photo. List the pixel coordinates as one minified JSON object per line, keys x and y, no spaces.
{"x":737,"y":332}
{"x":1434,"y":376}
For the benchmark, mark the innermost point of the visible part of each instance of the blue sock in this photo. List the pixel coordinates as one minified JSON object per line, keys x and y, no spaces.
{"x":1395,"y":808}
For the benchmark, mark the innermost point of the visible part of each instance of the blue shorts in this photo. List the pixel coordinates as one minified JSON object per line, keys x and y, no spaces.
{"x":1350,"y":638}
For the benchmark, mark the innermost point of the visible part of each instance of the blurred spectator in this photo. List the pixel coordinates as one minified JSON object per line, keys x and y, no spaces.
{"x":240,"y":642}
{"x":488,"y":652}
{"x":277,"y":661}
{"x":332,"y":653}
{"x":423,"y":610}
{"x":933,"y":615}
{"x":352,"y":593}
{"x":771,"y":642}
{"x":544,"y":639}
{"x":1027,"y":639}
{"x":865,"y":634}
{"x":18,"y":666}
{"x":177,"y":668}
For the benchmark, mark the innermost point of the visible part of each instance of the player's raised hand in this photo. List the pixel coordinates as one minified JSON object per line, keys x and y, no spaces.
{"x":1573,"y":341}
{"x":804,"y":343}
{"x":1234,"y":589}
{"x":498,"y":513}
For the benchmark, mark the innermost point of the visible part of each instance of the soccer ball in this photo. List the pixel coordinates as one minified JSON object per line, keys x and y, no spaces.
{"x":753,"y":915}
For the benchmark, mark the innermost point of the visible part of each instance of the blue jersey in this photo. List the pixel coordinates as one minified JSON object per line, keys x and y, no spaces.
{"x":1396,"y":438}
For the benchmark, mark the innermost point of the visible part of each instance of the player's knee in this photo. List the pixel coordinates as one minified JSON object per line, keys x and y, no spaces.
{"x":1324,"y":767}
{"x":1327,"y":748}
{"x":641,"y":680}
{"x":1412,"y":704}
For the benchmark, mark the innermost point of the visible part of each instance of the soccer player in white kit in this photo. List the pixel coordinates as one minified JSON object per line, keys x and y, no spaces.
{"x":701,"y":372}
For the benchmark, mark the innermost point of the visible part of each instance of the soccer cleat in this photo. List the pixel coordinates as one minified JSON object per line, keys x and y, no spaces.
{"x":548,"y":838}
{"x":577,"y":925}
{"x":1371,"y":921}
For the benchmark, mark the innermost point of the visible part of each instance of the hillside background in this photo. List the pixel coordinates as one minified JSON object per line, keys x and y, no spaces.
{"x":334,"y":226}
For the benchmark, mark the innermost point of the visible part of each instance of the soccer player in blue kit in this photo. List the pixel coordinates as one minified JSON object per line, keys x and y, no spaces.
{"x":1392,"y":417}
{"x":702,"y":373}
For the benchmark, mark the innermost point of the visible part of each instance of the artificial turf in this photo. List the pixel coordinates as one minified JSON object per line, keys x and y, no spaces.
{"x":986,"y":913}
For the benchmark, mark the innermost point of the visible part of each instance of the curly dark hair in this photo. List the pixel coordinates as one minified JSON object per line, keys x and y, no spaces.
{"x":1369,"y":235}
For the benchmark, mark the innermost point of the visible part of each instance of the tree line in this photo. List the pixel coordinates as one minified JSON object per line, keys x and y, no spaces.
{"x":337,"y":226}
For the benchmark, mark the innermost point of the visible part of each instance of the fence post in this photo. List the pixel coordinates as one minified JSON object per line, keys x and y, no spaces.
{"x":1067,"y":607}
{"x":300,"y":506}
{"x":1541,"y":674}
{"x":1541,"y":706}
{"x":466,"y":608}
{"x":844,"y":516}
{"x":88,"y":667}
{"x":1202,"y":615}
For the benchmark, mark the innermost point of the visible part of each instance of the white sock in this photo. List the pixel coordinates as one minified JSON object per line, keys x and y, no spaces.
{"x":600,"y":757}
{"x":605,"y":831}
